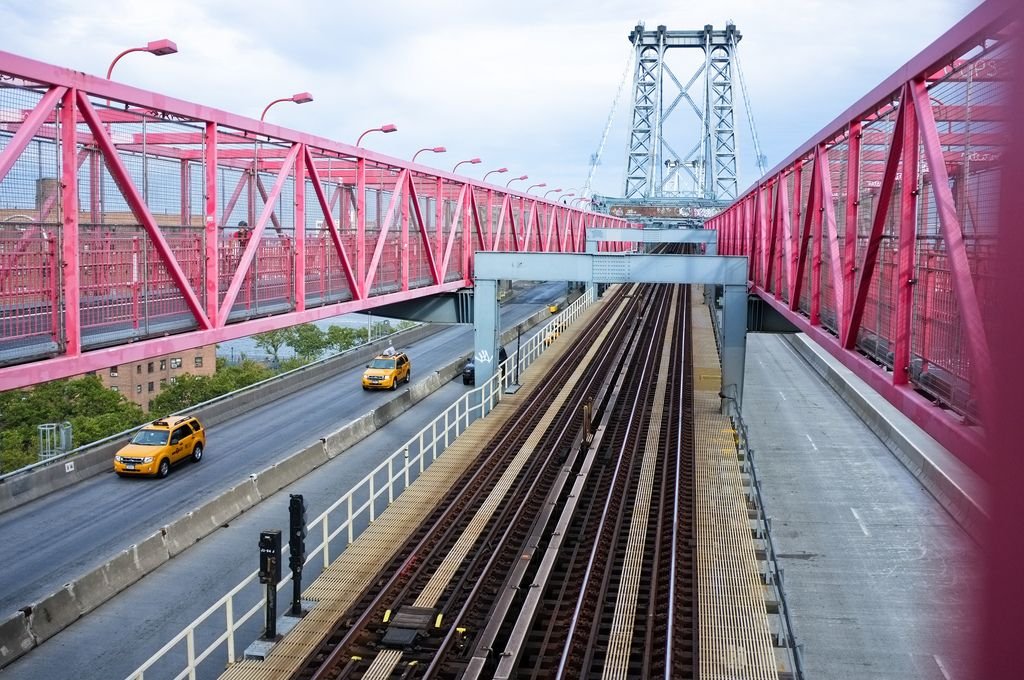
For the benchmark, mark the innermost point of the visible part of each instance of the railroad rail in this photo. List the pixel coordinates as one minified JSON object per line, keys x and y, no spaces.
{"x":460,"y":597}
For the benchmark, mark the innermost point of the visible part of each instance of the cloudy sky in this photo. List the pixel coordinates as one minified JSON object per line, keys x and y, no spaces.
{"x":526,"y":84}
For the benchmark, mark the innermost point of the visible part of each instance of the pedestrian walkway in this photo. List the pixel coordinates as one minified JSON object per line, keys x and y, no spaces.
{"x":879,"y":577}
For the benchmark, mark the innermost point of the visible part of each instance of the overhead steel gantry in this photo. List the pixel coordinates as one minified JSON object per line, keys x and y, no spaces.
{"x":133,"y":225}
{"x":876,"y":236}
{"x":594,"y":267}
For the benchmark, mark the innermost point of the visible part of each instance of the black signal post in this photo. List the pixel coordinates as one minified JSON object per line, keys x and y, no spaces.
{"x":270,"y":575}
{"x":296,"y":547}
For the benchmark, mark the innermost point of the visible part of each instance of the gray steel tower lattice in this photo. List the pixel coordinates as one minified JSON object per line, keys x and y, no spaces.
{"x":653,"y":167}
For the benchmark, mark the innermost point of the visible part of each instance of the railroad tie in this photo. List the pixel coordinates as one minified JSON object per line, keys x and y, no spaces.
{"x":616,"y":665}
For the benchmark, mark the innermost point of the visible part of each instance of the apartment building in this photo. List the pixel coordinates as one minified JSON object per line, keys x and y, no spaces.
{"x":142,"y":381}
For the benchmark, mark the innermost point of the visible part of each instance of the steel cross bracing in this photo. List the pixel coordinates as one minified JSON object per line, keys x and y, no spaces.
{"x":134,"y":225}
{"x":876,"y":237}
{"x":653,"y":166}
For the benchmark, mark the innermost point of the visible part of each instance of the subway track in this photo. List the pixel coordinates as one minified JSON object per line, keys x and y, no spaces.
{"x":566,"y":549}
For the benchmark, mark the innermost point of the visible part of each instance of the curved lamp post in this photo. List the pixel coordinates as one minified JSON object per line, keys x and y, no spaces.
{"x":156,"y":47}
{"x":473,"y":161}
{"x":516,"y":179}
{"x":435,"y":149}
{"x":534,"y":186}
{"x":298,"y":98}
{"x":389,"y":127}
{"x":499,"y":170}
{"x":551,"y":191}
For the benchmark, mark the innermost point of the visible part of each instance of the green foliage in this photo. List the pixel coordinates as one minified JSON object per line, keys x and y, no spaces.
{"x":271,"y":342}
{"x":341,"y":338}
{"x":187,"y":391}
{"x":291,"y":364}
{"x":94,"y":412}
{"x":307,"y":340}
{"x":190,"y":390}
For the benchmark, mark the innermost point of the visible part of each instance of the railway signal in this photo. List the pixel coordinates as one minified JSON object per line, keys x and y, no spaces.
{"x":296,"y":547}
{"x":270,"y":576}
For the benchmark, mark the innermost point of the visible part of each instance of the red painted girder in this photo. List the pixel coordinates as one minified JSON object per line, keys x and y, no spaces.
{"x":968,"y":308}
{"x":436,"y":274}
{"x":22,"y":375}
{"x":831,"y":231}
{"x":141,"y":211}
{"x":398,"y":194}
{"x":867,"y":268}
{"x":26,"y":130}
{"x":249,"y":252}
{"x":332,"y":228}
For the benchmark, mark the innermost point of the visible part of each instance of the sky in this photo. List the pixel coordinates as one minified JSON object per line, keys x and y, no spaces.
{"x":527,"y":85}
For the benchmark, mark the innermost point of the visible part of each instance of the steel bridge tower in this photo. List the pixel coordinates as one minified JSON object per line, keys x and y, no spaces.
{"x":653,"y":167}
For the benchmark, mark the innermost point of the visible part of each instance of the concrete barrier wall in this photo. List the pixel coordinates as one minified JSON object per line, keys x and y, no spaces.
{"x":949,"y":481}
{"x":93,"y":460}
{"x":34,"y":625}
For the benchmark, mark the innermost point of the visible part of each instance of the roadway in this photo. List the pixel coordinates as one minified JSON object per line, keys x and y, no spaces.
{"x":88,"y":523}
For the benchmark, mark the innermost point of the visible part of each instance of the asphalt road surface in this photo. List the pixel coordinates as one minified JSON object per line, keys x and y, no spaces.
{"x":63,"y":535}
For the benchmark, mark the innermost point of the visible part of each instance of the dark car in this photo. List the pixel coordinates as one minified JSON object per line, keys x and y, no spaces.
{"x":469,"y":373}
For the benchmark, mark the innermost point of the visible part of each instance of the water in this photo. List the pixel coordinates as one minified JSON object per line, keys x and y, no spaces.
{"x":245,"y":348}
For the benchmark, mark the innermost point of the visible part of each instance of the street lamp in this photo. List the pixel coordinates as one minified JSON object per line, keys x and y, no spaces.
{"x":473,"y":161}
{"x":435,"y":149}
{"x":484,"y":178}
{"x":390,"y":127}
{"x":565,"y":197}
{"x":157,"y":47}
{"x":516,"y":179}
{"x":534,"y":186}
{"x":298,"y":98}
{"x":551,"y":191}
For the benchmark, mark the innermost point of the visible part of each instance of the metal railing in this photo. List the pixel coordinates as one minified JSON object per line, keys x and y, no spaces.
{"x":785,"y":637}
{"x":348,"y":516}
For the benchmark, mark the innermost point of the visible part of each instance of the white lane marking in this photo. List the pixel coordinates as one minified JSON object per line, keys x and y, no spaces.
{"x":782,"y":395}
{"x":811,"y":441}
{"x":942,"y":667}
{"x":860,"y":522}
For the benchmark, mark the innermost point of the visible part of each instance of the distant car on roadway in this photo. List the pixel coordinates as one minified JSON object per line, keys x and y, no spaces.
{"x":386,"y":371}
{"x":469,"y":372}
{"x":161,"y":444}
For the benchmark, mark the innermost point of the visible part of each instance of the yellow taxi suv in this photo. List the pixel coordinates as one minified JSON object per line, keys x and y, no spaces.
{"x":161,"y":444}
{"x":386,"y":371}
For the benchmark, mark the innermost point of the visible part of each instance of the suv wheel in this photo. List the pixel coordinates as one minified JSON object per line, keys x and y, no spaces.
{"x":394,"y":383}
{"x":408,"y":376}
{"x":197,"y":453}
{"x":164,"y":469}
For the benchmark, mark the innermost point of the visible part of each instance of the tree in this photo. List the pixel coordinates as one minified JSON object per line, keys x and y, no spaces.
{"x":184,"y":393}
{"x":307,"y":340}
{"x":271,"y":342}
{"x":342,"y":338}
{"x":94,"y":411}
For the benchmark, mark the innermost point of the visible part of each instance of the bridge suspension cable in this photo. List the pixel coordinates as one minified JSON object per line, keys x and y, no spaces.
{"x":761,"y":167}
{"x":595,"y":159}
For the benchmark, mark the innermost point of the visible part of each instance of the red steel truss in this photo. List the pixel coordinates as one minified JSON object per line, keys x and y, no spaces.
{"x":876,"y":237}
{"x":121,"y":232}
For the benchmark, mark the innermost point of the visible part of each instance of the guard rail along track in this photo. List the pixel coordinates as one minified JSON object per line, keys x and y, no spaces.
{"x":566,"y":548}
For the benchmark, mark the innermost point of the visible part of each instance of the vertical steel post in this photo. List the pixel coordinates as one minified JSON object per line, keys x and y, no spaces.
{"x":361,"y":229}
{"x":299,"y":267}
{"x":70,"y":235}
{"x":852,"y":210}
{"x":906,"y":245}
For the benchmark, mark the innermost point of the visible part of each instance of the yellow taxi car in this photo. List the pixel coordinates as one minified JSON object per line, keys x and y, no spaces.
{"x":161,"y":444}
{"x":386,"y":371}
